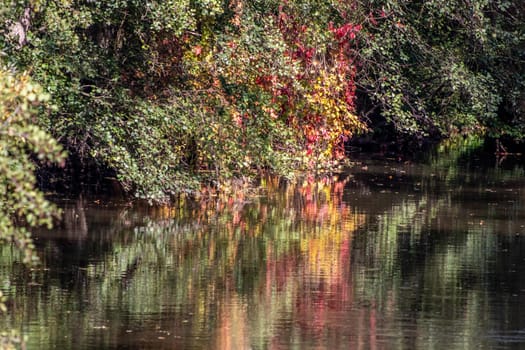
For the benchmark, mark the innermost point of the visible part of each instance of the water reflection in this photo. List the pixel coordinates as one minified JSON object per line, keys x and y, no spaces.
{"x":392,"y":256}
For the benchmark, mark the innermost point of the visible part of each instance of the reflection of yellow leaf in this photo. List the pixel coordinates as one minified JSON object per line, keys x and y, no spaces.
{"x":232,"y":325}
{"x":323,"y":249}
{"x":336,"y":223}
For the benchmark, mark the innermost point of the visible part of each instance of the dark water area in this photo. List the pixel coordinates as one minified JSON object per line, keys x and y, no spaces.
{"x":392,"y":255}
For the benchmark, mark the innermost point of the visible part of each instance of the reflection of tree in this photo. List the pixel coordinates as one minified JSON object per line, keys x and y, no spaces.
{"x":203,"y":261}
{"x":427,"y":257}
{"x":324,"y":264}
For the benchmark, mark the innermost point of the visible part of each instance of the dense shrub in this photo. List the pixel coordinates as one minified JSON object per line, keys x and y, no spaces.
{"x":171,"y":94}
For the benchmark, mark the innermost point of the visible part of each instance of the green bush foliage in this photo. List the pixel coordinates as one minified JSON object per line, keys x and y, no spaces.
{"x":172,"y":94}
{"x":431,"y":67}
{"x":22,"y":144}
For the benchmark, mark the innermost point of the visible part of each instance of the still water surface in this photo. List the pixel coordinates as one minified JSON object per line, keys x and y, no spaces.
{"x":393,"y":256}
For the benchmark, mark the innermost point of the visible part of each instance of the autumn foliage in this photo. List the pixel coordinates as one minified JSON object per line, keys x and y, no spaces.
{"x":320,"y":99}
{"x":169,"y":95}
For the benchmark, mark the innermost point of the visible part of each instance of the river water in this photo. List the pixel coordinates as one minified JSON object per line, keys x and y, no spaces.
{"x":389,"y":256}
